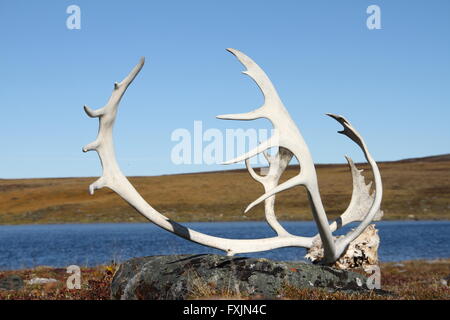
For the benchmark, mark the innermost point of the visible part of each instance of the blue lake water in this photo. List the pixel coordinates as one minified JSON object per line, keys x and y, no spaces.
{"x":93,"y":244}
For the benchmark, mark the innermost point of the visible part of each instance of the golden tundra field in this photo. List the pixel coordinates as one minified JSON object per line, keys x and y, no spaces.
{"x":413,"y":189}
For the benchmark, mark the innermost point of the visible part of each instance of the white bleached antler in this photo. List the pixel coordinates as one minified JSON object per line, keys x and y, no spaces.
{"x":288,"y":136}
{"x":114,"y":179}
{"x":290,"y":142}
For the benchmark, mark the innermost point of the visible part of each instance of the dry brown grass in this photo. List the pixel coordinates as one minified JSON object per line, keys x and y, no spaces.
{"x":95,"y":284}
{"x":420,"y":188}
{"x":200,"y":289}
{"x":409,"y":280}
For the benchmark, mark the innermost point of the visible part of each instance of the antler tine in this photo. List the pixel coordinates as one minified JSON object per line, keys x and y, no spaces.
{"x":263,"y":146}
{"x":93,"y":113}
{"x":297,"y":180}
{"x":349,"y":131}
{"x":252,"y":172}
{"x":259,"y":76}
{"x":252,"y":115}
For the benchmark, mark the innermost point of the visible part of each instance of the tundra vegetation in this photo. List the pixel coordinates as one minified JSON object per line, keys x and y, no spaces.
{"x":413,"y":189}
{"x":408,"y":280}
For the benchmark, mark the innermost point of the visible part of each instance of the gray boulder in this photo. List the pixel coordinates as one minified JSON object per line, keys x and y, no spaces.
{"x":190,"y":276}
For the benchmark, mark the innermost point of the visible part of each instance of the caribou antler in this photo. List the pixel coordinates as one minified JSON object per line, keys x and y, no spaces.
{"x":288,"y":136}
{"x":114,"y":179}
{"x":290,"y":142}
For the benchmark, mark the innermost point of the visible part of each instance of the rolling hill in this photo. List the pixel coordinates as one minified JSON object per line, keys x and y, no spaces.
{"x":416,"y":188}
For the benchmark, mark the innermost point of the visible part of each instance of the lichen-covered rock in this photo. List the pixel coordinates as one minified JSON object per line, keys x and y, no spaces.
{"x":188,"y":276}
{"x":362,"y":252}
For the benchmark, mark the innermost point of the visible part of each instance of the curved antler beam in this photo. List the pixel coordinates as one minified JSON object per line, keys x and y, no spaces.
{"x":342,"y":243}
{"x":114,"y":179}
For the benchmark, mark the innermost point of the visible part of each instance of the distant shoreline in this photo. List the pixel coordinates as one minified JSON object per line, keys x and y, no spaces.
{"x":413,"y":189}
{"x":216,"y":221}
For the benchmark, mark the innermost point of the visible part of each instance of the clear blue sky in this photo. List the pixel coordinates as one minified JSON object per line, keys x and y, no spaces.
{"x":393,"y":84}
